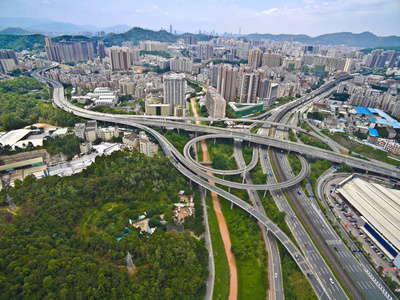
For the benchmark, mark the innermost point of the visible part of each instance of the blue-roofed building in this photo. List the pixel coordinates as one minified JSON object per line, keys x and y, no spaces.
{"x":395,"y":124}
{"x":385,"y":115}
{"x":372,"y":120}
{"x":363,"y":110}
{"x":373,"y":132}
{"x":381,"y":121}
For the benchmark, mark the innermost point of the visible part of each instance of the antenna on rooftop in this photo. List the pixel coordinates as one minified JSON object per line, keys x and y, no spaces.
{"x":11,"y":203}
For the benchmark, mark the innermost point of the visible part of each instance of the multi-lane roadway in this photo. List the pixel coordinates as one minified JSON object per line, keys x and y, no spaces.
{"x":183,"y":165}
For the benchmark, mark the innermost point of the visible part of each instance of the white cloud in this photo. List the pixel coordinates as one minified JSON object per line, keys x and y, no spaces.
{"x":155,"y":6}
{"x":138,"y":10}
{"x":269,"y":11}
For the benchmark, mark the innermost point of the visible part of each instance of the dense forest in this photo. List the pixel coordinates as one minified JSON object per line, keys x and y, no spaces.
{"x":62,"y":241}
{"x":20,"y":107}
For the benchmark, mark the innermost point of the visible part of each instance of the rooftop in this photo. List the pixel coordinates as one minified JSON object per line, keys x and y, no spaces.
{"x":377,"y":204}
{"x":14,"y":136}
{"x":24,"y":163}
{"x":373,"y":132}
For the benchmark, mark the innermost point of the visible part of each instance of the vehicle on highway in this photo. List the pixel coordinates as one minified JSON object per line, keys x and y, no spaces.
{"x":258,"y":203}
{"x":298,"y":192}
{"x":297,"y":257}
{"x":276,"y":275}
{"x":331,"y":281}
{"x":336,"y":249}
{"x":265,"y":156}
{"x":393,"y":180}
{"x":322,"y":225}
{"x":281,"y":156}
{"x":270,"y":174}
{"x":306,"y":245}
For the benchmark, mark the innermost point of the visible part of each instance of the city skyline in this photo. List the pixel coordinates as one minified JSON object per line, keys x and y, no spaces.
{"x":311,"y":17}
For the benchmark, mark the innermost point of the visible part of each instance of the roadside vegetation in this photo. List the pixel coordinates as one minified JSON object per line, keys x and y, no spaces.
{"x":222,"y":274}
{"x":69,"y":227}
{"x":19,"y":107}
{"x":221,"y":154}
{"x":250,"y":254}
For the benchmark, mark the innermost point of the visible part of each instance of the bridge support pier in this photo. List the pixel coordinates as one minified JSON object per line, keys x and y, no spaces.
{"x":223,"y":176}
{"x":229,"y":189}
{"x":179,"y":131}
{"x":265,"y":193}
{"x":231,"y":205}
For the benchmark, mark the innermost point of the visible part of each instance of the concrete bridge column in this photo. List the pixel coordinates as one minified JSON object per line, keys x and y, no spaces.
{"x":229,"y":189}
{"x":265,"y":193}
{"x":231,"y":205}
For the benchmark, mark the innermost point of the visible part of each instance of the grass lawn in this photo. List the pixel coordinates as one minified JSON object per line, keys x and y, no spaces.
{"x":222,"y":275}
{"x":250,"y":254}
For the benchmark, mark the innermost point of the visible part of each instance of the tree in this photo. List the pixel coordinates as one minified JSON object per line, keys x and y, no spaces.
{"x":219,"y":162}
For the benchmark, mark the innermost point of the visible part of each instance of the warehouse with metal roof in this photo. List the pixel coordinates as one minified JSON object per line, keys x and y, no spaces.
{"x":12,"y":137}
{"x":379,"y":208}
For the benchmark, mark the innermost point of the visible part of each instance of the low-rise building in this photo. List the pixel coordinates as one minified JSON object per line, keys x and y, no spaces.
{"x":86,"y":147}
{"x":79,"y":130}
{"x":106,"y":134}
{"x":146,"y":146}
{"x":131,"y":140}
{"x":156,"y":109}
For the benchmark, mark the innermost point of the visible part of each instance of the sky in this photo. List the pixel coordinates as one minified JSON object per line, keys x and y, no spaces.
{"x":311,"y":17}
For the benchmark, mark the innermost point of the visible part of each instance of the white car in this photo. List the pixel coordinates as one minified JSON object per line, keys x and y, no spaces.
{"x":331,"y":280}
{"x":276,"y":275}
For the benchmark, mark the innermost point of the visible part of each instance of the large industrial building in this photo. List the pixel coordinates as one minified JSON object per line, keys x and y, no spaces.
{"x":379,"y":211}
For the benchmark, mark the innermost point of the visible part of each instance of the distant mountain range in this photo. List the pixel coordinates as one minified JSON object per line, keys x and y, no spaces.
{"x":18,"y":38}
{"x":51,"y":27}
{"x":15,"y":30}
{"x":362,"y":40}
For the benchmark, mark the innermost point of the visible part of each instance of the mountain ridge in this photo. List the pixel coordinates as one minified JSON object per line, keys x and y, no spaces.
{"x":362,"y":40}
{"x":135,"y":34}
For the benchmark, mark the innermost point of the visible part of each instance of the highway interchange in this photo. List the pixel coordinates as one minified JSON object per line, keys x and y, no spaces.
{"x":308,"y":263}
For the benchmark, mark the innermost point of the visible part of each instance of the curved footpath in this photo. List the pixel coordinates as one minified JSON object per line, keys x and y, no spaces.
{"x":223,"y":228}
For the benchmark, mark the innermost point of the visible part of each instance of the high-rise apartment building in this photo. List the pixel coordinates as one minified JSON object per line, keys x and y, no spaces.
{"x":52,"y":51}
{"x":153,"y":46}
{"x":127,"y":44}
{"x":205,"y":51}
{"x":174,"y":90}
{"x":190,"y":40}
{"x":215,"y":104}
{"x":271,"y":60}
{"x":135,"y":54}
{"x":8,"y":60}
{"x":227,"y":79}
{"x":120,"y":58}
{"x":101,"y":50}
{"x":255,"y":58}
{"x":181,"y":64}
{"x":214,"y":75}
{"x":249,"y":87}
